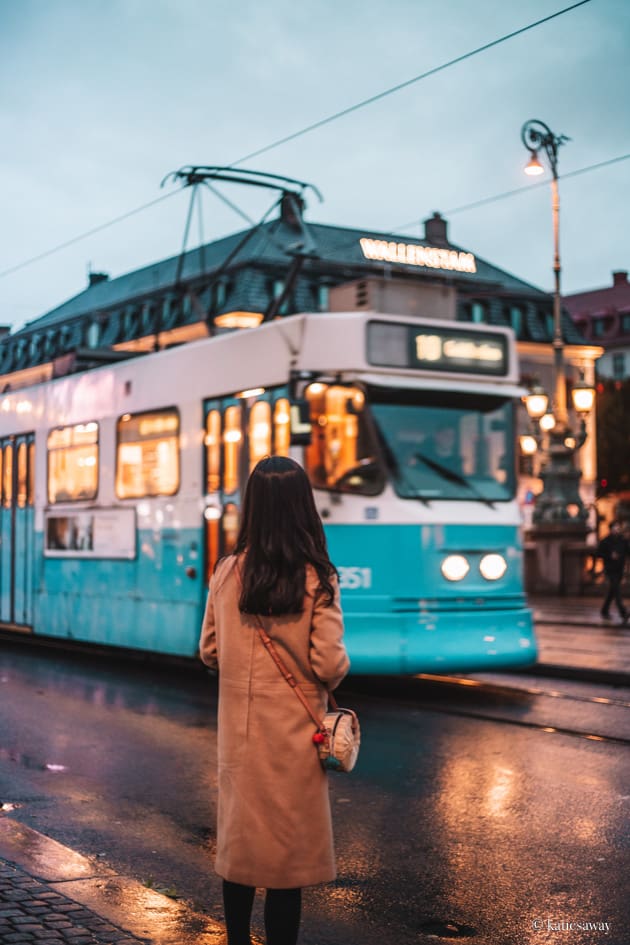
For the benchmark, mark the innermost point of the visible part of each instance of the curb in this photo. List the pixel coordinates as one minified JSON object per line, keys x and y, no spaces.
{"x":121,"y":901}
{"x":606,"y":677}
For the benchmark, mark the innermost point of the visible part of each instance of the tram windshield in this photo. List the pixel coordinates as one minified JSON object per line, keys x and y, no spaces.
{"x":446,"y":446}
{"x":429,"y":444}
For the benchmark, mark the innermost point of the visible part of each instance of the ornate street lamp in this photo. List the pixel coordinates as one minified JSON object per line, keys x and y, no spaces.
{"x":559,"y":505}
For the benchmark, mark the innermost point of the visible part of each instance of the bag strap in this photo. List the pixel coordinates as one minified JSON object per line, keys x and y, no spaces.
{"x":288,"y":675}
{"x":290,"y":678}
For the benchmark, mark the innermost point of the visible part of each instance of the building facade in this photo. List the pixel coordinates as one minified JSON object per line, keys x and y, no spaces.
{"x":603,"y":316}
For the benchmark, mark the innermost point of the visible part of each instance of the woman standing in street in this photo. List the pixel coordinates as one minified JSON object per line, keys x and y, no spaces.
{"x":274,"y":824}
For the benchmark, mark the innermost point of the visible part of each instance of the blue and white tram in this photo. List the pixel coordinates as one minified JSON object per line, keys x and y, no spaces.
{"x":121,"y":486}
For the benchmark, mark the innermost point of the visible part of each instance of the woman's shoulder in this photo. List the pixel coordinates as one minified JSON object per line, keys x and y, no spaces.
{"x":222,"y":569}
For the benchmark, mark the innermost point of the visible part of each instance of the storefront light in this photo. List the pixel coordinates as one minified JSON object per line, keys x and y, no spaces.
{"x":547,"y":422}
{"x":238,"y":320}
{"x":528,"y":444}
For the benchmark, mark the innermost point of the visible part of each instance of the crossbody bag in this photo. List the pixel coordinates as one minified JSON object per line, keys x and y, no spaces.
{"x":337,"y":736}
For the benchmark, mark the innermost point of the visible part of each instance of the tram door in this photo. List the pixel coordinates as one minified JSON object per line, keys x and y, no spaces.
{"x":17,"y":478}
{"x":238,"y":433}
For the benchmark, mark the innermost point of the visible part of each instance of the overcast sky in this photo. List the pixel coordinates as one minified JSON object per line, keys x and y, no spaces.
{"x":101,"y":98}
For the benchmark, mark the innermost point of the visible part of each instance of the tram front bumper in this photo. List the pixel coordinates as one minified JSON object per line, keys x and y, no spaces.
{"x":440,"y":640}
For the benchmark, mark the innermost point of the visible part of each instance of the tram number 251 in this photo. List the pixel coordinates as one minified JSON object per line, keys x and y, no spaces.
{"x":351,"y":579}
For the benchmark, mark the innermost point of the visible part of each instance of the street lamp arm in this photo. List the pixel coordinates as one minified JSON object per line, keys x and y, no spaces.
{"x":535,"y":134}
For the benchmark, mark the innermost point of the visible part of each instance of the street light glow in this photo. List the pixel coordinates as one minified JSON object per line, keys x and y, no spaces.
{"x":534,"y":168}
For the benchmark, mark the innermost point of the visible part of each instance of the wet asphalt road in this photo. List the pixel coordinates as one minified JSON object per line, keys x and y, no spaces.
{"x":465,"y":815}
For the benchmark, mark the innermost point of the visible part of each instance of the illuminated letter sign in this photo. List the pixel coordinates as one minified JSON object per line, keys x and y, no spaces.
{"x":412,"y":254}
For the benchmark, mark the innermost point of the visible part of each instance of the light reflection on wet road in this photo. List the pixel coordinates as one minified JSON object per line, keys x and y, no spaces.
{"x":450,"y":826}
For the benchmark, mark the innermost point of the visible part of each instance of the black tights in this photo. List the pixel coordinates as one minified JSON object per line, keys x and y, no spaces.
{"x":282,"y":914}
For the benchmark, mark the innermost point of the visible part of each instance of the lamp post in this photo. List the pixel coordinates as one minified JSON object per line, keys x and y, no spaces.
{"x":559,"y":507}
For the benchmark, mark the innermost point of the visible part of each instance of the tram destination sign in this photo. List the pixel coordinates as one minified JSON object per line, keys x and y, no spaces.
{"x":455,"y":350}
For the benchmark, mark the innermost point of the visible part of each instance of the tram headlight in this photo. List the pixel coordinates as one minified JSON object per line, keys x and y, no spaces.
{"x":493,"y":567}
{"x":455,"y":567}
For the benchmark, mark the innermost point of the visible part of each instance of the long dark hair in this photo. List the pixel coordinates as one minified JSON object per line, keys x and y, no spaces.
{"x":281,"y":532}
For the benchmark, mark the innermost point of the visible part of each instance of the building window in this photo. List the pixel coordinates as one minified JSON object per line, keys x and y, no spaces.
{"x":478,"y":312}
{"x":625,"y":324}
{"x":147,"y":454}
{"x":599,"y":327}
{"x":516,"y":319}
{"x":73,"y":463}
{"x":619,"y":365}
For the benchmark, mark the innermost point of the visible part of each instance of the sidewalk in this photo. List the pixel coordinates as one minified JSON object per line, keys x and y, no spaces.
{"x":52,"y":895}
{"x":576,"y":642}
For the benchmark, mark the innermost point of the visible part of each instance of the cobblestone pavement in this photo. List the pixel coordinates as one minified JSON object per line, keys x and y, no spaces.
{"x":32,"y":912}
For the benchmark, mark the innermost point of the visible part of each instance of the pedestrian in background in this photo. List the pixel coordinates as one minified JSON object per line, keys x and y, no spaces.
{"x":613,"y":549}
{"x":274,"y":825}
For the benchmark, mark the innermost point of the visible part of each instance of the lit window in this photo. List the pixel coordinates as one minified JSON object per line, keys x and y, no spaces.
{"x":31,"y":473}
{"x":213,"y":451}
{"x":232,"y":439}
{"x":342,"y":453}
{"x":281,"y":427}
{"x":7,"y":478}
{"x":22,"y":475}
{"x":147,"y":454}
{"x":73,"y":463}
{"x":259,"y":432}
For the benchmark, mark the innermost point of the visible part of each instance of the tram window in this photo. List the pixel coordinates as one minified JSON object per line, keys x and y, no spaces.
{"x":342,"y":454}
{"x":147,"y":454}
{"x":31,"y":474}
{"x":281,"y":427}
{"x":22,"y":477}
{"x":73,"y":462}
{"x":213,"y":451}
{"x":259,"y":432}
{"x":232,"y":440}
{"x":7,"y":476}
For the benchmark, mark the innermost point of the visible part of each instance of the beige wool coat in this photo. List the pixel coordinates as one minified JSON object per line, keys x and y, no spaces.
{"x":274,"y":824}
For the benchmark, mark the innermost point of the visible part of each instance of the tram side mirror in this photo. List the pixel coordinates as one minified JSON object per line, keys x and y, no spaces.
{"x":301,"y":427}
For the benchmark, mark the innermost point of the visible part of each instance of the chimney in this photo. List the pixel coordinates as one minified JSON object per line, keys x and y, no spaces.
{"x":96,"y":277}
{"x":291,"y":209}
{"x":435,"y":230}
{"x":620,"y":277}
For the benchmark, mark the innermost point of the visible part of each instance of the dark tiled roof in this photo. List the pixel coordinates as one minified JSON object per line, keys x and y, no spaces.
{"x":269,"y":248}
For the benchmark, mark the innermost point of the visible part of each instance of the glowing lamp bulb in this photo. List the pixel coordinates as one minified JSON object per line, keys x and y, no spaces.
{"x":534,"y":168}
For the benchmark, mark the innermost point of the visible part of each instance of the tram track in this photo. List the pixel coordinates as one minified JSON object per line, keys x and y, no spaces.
{"x":516,"y":698}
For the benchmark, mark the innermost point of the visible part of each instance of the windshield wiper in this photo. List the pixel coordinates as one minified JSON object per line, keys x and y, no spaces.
{"x":398,"y":471}
{"x":452,"y":476}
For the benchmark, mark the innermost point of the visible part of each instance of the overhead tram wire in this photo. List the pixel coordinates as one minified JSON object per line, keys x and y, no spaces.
{"x":395,"y":231}
{"x":541,"y":183}
{"x":405,"y":84}
{"x":307,"y":129}
{"x":82,"y":236}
